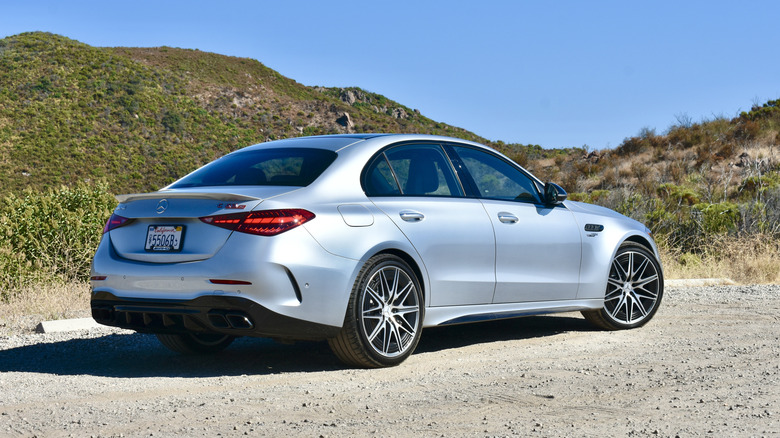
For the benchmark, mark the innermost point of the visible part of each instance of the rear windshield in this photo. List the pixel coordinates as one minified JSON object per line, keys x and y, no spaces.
{"x":262,"y":167}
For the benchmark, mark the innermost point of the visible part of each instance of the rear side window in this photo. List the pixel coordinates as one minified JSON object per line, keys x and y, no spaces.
{"x":379,"y":179}
{"x":262,"y":167}
{"x":411,"y":170}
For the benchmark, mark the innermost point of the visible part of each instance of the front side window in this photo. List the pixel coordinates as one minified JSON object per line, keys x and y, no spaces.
{"x":412,"y":170}
{"x":262,"y":167}
{"x":495,"y":178}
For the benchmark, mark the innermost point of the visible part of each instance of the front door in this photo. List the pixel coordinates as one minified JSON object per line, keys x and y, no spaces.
{"x":538,"y":247}
{"x":538,"y":252}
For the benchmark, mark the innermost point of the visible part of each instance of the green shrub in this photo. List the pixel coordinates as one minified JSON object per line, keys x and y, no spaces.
{"x":674,"y":194}
{"x":52,"y":234}
{"x":718,"y":218}
{"x":770,"y":109}
{"x":593,"y":197}
{"x":755,"y":186}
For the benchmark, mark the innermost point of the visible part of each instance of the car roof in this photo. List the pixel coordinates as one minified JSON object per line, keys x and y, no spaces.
{"x":328,"y":142}
{"x":338,"y":142}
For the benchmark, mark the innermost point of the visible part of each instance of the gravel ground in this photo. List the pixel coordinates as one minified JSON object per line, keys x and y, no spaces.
{"x":707,"y":365}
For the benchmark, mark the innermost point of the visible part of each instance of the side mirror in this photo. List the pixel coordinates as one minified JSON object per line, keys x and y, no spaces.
{"x":554,"y":194}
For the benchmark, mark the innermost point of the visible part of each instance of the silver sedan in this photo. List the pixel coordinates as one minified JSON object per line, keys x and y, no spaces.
{"x":364,"y":240}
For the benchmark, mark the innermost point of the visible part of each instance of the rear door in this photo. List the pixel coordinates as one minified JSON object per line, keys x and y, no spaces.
{"x":416,"y":187}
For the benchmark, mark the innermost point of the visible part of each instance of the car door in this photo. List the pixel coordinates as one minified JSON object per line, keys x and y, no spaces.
{"x":415,"y":185}
{"x":538,"y":247}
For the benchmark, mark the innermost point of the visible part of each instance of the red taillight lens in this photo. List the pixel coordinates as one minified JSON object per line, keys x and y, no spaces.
{"x":263,"y":223}
{"x":115,"y":221}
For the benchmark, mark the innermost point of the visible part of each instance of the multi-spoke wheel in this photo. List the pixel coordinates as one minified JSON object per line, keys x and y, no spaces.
{"x":195,"y":343}
{"x":634,"y":290}
{"x":384,"y":318}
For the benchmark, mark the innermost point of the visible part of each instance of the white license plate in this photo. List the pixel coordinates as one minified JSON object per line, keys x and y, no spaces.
{"x":164,"y":238}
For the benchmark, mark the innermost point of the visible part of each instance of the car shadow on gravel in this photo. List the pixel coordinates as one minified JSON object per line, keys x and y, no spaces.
{"x":457,"y":336}
{"x":139,"y":355}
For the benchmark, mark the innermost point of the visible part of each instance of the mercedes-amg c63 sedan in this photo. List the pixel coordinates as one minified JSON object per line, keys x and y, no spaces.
{"x":364,"y":240}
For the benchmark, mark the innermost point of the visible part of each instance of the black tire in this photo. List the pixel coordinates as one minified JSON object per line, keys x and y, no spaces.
{"x":634,"y":290}
{"x":192,"y":343}
{"x":384,"y":317}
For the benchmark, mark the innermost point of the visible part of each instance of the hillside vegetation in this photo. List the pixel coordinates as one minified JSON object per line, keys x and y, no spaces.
{"x":716,"y":176}
{"x":140,"y":118}
{"x":79,"y":124}
{"x":710,"y":191}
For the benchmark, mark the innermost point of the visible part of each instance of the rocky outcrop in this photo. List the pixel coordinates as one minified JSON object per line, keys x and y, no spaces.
{"x":352,"y":96}
{"x":346,"y":121}
{"x":399,"y":113}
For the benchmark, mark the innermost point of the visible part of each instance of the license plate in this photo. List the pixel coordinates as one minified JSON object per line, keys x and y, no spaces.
{"x":164,"y":238}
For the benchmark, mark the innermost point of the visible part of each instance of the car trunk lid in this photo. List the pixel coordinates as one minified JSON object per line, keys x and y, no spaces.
{"x":165,"y":226}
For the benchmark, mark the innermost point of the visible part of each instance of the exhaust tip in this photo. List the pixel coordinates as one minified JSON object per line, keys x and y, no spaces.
{"x":218,"y":320}
{"x":239,"y":321}
{"x":221,"y":319}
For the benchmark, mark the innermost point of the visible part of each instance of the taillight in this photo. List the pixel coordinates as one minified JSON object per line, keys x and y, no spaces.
{"x":263,"y":223}
{"x":115,"y":221}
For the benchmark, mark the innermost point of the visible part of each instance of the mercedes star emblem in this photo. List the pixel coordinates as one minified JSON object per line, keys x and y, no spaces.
{"x":162,"y":206}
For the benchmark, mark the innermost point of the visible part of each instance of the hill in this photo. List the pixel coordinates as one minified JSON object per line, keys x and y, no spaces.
{"x":134,"y":119}
{"x":709,"y":191}
{"x":138,"y":118}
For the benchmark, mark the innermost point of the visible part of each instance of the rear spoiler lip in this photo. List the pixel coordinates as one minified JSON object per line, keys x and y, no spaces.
{"x":216,"y":196}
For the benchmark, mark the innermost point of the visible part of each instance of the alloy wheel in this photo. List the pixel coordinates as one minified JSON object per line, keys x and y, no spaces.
{"x":390,"y":313}
{"x":633,"y":288}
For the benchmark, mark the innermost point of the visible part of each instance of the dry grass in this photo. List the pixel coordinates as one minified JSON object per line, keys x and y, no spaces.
{"x":747,"y":260}
{"x":33,"y":304}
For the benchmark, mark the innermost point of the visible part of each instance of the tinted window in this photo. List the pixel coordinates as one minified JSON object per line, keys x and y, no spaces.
{"x":379,"y":179}
{"x":412,"y":170}
{"x":496,"y":178}
{"x":262,"y":167}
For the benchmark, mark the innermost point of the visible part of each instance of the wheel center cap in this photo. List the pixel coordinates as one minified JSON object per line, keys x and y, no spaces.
{"x":387,"y":312}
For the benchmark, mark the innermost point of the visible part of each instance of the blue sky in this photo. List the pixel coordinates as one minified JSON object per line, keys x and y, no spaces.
{"x":558,"y":74}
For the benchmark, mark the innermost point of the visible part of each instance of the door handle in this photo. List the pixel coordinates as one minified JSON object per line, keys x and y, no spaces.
{"x":411,"y":216}
{"x":507,"y":218}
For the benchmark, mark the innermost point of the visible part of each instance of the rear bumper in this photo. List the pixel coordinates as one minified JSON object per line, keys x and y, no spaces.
{"x":228,"y":315}
{"x":289,"y":275}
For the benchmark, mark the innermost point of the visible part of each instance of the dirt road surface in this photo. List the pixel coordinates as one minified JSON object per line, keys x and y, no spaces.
{"x":707,"y":365}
